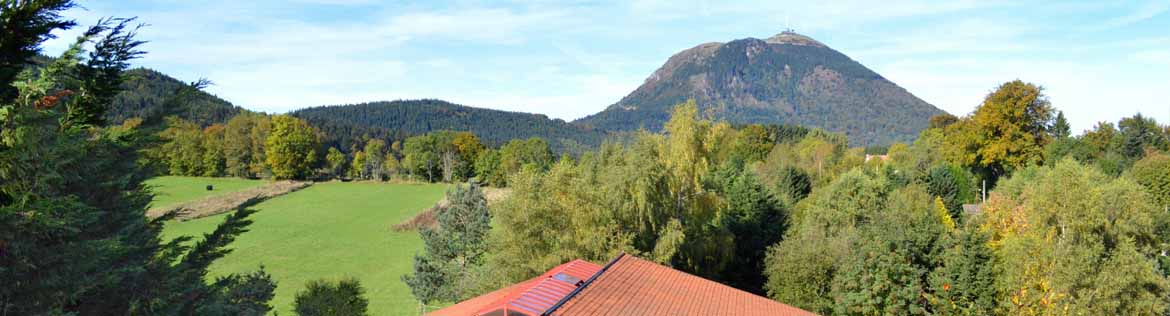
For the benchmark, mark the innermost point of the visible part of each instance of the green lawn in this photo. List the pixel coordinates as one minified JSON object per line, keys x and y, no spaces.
{"x":171,"y":190}
{"x":330,"y":230}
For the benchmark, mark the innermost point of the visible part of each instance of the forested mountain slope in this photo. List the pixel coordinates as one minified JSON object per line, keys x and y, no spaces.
{"x":149,"y":93}
{"x":415,"y":117}
{"x":788,"y":79}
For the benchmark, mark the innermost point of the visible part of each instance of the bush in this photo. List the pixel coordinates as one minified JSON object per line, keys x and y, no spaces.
{"x":324,"y":298}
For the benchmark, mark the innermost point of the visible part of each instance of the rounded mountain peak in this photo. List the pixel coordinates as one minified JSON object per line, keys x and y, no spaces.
{"x":792,"y":38}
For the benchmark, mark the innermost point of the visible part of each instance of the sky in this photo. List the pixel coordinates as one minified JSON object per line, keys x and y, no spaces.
{"x":1098,"y":61}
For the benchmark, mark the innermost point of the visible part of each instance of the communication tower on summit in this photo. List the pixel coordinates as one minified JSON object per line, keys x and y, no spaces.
{"x":787,"y":24}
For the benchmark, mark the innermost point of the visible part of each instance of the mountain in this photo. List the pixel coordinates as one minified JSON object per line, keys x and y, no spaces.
{"x":146,"y":92}
{"x":494,"y":127}
{"x":786,"y":79}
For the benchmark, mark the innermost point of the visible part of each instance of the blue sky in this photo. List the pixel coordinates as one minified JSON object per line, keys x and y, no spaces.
{"x":1099,"y":61}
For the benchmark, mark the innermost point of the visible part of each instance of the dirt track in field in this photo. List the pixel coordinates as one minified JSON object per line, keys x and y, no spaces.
{"x":222,"y":203}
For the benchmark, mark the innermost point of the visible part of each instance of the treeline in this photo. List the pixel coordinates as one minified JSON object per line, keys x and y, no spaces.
{"x":255,"y":145}
{"x":1075,"y":225}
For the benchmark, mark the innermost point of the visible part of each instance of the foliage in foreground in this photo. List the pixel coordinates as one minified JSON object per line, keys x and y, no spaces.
{"x":74,"y":238}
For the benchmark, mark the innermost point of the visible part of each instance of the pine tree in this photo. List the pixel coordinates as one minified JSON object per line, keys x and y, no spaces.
{"x":1060,"y":128}
{"x":453,"y":249}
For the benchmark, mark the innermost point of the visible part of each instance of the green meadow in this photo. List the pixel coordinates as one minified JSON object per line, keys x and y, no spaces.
{"x":171,"y":190}
{"x":329,"y":230}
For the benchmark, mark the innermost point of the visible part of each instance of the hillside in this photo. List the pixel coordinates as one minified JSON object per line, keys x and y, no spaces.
{"x":415,"y":117}
{"x":787,"y":79}
{"x":146,"y":93}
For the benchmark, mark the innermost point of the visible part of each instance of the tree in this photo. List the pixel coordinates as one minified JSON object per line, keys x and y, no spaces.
{"x":1052,"y":258}
{"x":421,"y":156}
{"x":359,"y":159}
{"x":1139,"y":133}
{"x":182,"y":150}
{"x":335,"y":162}
{"x":26,"y":25}
{"x":879,"y":281}
{"x":757,"y":221}
{"x":390,"y":166}
{"x":517,"y":153}
{"x":1153,"y":173}
{"x":291,"y":148}
{"x":237,"y":145}
{"x":952,"y":185}
{"x":964,"y":283}
{"x":259,"y":135}
{"x":74,"y":237}
{"x":323,"y":298}
{"x":1011,"y":127}
{"x":466,"y":147}
{"x":1060,"y":128}
{"x":453,"y":250}
{"x":375,"y":151}
{"x":488,"y":169}
{"x":213,"y":155}
{"x":941,"y":121}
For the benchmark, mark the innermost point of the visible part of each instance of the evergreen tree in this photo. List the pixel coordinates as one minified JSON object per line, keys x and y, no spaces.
{"x":453,"y":249}
{"x":324,"y":298}
{"x":757,"y":221}
{"x":1060,"y":128}
{"x":965,"y":282}
{"x":74,"y":237}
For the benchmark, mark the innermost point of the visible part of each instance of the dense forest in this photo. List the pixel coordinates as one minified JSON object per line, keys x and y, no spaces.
{"x":1068,"y":224}
{"x":148,"y":93}
{"x":495,"y":127}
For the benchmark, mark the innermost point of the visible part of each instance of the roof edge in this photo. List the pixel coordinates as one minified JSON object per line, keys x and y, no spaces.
{"x":583,"y":286}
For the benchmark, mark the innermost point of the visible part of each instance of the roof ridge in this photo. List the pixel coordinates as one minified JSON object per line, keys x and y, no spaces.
{"x":583,"y":285}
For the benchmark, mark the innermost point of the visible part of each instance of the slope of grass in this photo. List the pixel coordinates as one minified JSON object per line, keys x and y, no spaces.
{"x":330,"y":230}
{"x":171,"y":190}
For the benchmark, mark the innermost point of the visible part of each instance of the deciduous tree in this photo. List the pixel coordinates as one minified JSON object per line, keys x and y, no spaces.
{"x":291,"y":148}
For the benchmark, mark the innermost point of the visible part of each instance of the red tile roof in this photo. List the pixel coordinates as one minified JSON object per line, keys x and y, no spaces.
{"x":531,"y":297}
{"x":627,"y":286}
{"x":633,"y":286}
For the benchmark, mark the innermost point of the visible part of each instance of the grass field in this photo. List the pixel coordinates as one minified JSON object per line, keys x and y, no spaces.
{"x":330,"y":230}
{"x":172,"y":190}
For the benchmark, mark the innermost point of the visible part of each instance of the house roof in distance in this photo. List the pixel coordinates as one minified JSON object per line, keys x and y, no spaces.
{"x":629,"y":285}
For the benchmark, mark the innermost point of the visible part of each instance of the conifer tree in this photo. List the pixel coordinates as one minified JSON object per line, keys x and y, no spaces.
{"x":74,"y":237}
{"x":453,"y":249}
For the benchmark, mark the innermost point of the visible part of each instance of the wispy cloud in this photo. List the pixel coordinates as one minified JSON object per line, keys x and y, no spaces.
{"x":1145,"y":12}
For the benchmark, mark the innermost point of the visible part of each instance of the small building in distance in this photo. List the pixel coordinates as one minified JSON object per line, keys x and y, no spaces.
{"x":628,"y":285}
{"x":869,"y":157}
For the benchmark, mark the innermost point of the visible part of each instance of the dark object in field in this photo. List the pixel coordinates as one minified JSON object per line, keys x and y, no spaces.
{"x":210,"y":187}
